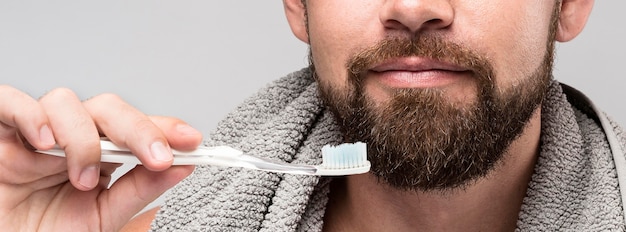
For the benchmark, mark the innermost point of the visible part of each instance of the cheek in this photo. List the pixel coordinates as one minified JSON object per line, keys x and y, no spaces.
{"x":513,"y":35}
{"x":336,"y":30}
{"x":329,"y":59}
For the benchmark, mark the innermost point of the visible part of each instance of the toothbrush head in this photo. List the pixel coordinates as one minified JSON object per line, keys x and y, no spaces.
{"x":344,"y":159}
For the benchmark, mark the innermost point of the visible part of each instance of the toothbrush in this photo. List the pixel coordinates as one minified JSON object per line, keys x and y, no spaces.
{"x":341,"y":160}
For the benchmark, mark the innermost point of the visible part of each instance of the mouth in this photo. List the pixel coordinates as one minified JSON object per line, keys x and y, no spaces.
{"x":417,"y":72}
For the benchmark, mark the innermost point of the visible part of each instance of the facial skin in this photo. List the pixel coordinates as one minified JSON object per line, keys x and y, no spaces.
{"x":443,"y":115}
{"x":492,"y":29}
{"x":418,"y":139}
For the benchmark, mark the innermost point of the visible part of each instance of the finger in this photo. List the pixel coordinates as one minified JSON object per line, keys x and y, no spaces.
{"x":128,"y":127}
{"x":18,"y":111}
{"x":75,"y":133}
{"x":24,"y":172}
{"x":179,"y":134}
{"x":136,"y":189}
{"x":20,"y":166}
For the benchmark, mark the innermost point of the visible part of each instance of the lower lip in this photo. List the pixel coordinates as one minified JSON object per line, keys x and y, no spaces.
{"x":418,"y":79}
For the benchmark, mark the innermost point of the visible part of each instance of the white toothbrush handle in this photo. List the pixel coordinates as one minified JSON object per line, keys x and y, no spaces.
{"x":111,"y":153}
{"x":230,"y":157}
{"x":217,"y":151}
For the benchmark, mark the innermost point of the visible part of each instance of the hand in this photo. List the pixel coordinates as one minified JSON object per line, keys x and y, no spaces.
{"x":43,"y":192}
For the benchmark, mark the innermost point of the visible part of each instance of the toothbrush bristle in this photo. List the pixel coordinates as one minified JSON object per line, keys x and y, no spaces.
{"x":347,"y":155}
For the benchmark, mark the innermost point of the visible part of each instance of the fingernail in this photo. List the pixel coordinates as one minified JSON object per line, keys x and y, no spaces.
{"x":187,"y":130}
{"x":160,"y":152}
{"x":89,"y":177}
{"x":46,"y":137}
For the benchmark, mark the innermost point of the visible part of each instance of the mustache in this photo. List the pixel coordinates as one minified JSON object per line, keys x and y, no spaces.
{"x":430,"y":47}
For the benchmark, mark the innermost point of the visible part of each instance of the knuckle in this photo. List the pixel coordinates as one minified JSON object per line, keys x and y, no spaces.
{"x":82,"y":146}
{"x":107,"y":98}
{"x":105,"y":104}
{"x":144,"y":130}
{"x":18,"y":107}
{"x":12,"y":94}
{"x":60,"y":93}
{"x":6,"y":88}
{"x":162,"y":121}
{"x":144,"y":125}
{"x":81,"y":121}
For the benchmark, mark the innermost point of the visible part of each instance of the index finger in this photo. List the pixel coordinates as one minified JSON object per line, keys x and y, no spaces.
{"x":20,"y":112}
{"x":75,"y":133}
{"x":127,"y":126}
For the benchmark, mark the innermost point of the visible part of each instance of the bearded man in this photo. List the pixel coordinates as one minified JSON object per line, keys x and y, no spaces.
{"x":465,"y":126}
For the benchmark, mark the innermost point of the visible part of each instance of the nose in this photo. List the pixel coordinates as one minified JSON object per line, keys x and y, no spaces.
{"x":414,"y":16}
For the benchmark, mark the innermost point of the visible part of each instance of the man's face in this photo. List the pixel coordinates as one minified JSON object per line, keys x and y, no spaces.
{"x":438,"y":89}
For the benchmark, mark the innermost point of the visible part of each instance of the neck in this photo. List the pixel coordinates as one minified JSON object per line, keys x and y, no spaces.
{"x":489,"y":204}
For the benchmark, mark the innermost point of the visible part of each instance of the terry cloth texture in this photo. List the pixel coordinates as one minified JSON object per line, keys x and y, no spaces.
{"x":574,"y":187}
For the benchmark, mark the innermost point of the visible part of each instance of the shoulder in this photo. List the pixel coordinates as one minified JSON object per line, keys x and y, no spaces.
{"x":612,"y":130}
{"x":619,"y":134}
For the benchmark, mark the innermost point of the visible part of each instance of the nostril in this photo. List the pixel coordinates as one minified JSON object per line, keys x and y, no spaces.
{"x":395,"y":24}
{"x":434,"y":21}
{"x":437,"y":23}
{"x":427,"y":25}
{"x":415,"y":16}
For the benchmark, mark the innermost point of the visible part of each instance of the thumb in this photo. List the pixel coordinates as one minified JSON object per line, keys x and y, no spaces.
{"x":133,"y":191}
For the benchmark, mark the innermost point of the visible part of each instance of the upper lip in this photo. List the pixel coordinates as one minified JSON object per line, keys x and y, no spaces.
{"x":416,"y":64}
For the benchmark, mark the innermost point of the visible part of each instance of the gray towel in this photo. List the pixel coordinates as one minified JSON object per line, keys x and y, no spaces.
{"x":574,"y":186}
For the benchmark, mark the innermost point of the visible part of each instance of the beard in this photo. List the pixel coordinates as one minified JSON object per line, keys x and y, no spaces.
{"x":420,"y":140}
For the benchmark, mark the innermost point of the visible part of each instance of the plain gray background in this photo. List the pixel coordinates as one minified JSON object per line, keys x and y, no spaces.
{"x":197,"y":60}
